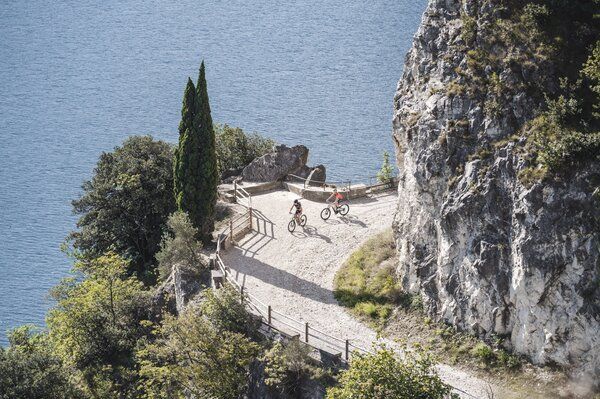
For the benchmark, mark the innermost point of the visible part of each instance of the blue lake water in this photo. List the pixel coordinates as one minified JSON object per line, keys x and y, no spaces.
{"x":80,"y":76}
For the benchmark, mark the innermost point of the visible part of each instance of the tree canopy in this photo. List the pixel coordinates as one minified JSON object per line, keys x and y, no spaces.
{"x":383,"y":376}
{"x":125,"y":205}
{"x":29,"y":369}
{"x":97,"y":323}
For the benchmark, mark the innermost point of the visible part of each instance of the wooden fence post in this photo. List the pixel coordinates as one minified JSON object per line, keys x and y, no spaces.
{"x":250,"y":215}
{"x":306,"y":332}
{"x":269,"y":314}
{"x":347,"y":350}
{"x":235,"y":191}
{"x":231,"y":231}
{"x":242,"y":294}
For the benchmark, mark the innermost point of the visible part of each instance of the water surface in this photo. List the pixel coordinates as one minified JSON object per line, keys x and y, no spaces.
{"x":78,"y":77}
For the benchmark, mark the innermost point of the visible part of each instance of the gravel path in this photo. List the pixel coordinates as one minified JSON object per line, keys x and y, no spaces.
{"x":294,"y":272}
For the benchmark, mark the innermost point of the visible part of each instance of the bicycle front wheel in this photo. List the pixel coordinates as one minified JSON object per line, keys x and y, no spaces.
{"x":344,"y":209}
{"x":292,"y":226}
{"x":325,"y":213}
{"x":303,"y":220}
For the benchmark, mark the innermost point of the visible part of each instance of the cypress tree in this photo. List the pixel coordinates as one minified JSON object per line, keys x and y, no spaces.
{"x":209,"y":175}
{"x":196,"y":176}
{"x":186,"y":180}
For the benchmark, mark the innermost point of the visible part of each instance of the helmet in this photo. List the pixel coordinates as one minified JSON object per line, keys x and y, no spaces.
{"x":296,"y":201}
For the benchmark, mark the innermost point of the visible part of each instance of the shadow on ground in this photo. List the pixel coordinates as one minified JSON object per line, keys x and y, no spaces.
{"x":248,"y":266}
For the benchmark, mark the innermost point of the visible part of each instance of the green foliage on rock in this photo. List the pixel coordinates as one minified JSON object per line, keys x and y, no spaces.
{"x":367,"y":281}
{"x":195,"y":168}
{"x":289,"y":367}
{"x":126,"y":204}
{"x":548,"y":50}
{"x":196,"y":354}
{"x":236,"y":149}
{"x":383,"y":376}
{"x":29,"y":369}
{"x":97,"y":323}
{"x":180,"y":246}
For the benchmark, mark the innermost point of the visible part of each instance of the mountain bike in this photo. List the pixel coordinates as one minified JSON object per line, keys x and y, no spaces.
{"x":292,"y":224}
{"x":342,"y":209}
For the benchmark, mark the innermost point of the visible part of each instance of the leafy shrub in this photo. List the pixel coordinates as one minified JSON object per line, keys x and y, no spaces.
{"x":483,"y":352}
{"x":190,"y":357}
{"x":180,"y":246}
{"x":236,"y":149}
{"x":226,"y":312}
{"x":383,"y":376}
{"x":288,"y":367}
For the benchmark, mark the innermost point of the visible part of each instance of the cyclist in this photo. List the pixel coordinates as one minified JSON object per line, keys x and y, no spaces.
{"x":335,"y":199}
{"x":298,"y":213}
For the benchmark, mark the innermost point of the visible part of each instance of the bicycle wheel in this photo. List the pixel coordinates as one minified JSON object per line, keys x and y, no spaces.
{"x":292,"y":226}
{"x":325,"y":213}
{"x":303,"y":220}
{"x":344,"y":209}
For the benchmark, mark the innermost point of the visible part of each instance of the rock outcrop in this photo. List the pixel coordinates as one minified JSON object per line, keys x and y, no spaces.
{"x":279,"y":163}
{"x":180,"y":288}
{"x":489,"y":253}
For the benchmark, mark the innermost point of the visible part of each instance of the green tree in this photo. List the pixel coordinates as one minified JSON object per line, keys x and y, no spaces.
{"x":196,"y":174}
{"x":224,"y":310}
{"x":126,"y":204}
{"x":191,"y":356}
{"x":386,"y":173}
{"x":591,"y":70}
{"x":289,"y":367}
{"x":180,"y":246}
{"x":29,"y":369}
{"x":236,"y":149}
{"x":97,"y":323}
{"x":383,"y":376}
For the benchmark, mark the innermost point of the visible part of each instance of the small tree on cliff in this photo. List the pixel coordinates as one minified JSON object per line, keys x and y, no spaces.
{"x":386,"y":173}
{"x":195,"y":176}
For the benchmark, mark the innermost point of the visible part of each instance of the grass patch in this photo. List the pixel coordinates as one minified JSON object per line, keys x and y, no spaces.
{"x":367,"y":282}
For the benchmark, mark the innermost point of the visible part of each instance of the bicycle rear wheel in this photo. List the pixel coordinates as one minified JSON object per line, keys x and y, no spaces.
{"x":292,"y":226}
{"x":325,"y":213}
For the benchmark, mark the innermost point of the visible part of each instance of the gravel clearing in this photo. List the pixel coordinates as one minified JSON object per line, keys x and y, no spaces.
{"x":294,"y":272}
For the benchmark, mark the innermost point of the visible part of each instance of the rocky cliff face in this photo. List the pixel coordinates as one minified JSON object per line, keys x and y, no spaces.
{"x":489,"y":251}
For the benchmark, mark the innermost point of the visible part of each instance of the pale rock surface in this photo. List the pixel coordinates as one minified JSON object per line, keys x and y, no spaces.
{"x":489,"y":254}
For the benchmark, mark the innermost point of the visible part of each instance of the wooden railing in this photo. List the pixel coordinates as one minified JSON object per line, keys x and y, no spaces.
{"x":242,"y":196}
{"x":276,"y":320}
{"x":272,"y":317}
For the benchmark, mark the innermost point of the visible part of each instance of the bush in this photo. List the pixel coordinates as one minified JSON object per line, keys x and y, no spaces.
{"x":483,"y":352}
{"x":288,"y":367}
{"x":179,"y":246}
{"x":190,"y":357}
{"x":383,"y":376}
{"x":236,"y":149}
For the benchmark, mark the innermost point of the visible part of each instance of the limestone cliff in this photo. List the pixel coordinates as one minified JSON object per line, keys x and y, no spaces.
{"x":495,"y":243}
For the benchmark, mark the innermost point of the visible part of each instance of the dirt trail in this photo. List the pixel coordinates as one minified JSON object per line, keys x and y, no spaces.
{"x":294,"y":272}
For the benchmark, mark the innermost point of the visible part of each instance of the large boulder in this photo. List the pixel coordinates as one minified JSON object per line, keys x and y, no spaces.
{"x":276,"y":165}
